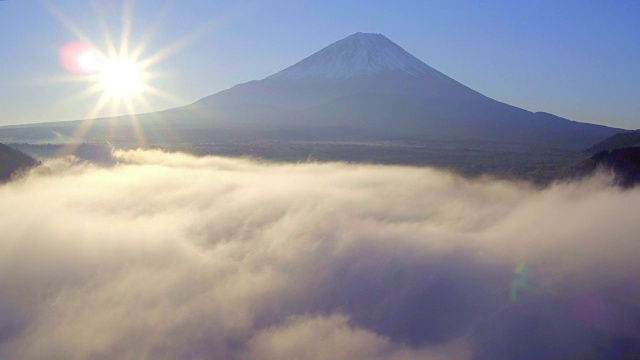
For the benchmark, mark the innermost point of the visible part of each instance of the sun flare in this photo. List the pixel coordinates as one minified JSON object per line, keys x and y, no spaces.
{"x":119,"y":79}
{"x":118,"y":75}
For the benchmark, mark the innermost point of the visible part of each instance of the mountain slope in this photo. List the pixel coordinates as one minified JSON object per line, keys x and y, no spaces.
{"x":617,"y":141}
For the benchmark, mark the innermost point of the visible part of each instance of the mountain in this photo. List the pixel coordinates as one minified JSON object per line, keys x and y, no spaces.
{"x":617,"y":141}
{"x":361,"y":88}
{"x":360,"y":63}
{"x":13,"y":161}
{"x":367,"y":84}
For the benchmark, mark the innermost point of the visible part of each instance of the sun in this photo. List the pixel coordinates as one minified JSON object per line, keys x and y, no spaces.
{"x":118,"y":76}
{"x":122,"y":77}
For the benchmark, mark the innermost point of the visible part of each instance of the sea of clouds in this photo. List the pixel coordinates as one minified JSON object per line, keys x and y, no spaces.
{"x":170,"y":256}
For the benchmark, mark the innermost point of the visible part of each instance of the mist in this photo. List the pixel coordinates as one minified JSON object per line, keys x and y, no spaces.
{"x":167,"y":255}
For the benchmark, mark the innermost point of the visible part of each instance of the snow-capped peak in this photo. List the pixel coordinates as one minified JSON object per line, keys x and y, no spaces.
{"x":357,"y":54}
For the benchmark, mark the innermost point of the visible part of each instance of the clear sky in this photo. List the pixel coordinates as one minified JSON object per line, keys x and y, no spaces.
{"x":578,"y":59}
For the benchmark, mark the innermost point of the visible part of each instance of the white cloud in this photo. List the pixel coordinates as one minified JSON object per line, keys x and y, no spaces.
{"x":174,"y":256}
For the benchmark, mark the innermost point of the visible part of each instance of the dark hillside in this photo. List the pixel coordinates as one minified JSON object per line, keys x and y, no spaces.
{"x":624,"y":163}
{"x":12,"y":161}
{"x":617,"y":141}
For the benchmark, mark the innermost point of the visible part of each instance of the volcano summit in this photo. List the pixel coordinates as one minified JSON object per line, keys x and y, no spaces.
{"x":357,"y":55}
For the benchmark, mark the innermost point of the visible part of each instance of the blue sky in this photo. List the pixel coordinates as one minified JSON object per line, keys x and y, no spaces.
{"x":576,"y":59}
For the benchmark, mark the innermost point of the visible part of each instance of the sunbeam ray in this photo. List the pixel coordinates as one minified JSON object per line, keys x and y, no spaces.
{"x":138,"y":133}
{"x":127,"y":19}
{"x":108,"y":39}
{"x":67,"y":23}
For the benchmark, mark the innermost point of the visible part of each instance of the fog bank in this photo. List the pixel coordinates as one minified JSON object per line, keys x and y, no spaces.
{"x":166,"y":255}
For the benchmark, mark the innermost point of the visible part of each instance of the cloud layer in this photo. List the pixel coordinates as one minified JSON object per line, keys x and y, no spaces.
{"x":173,"y":256}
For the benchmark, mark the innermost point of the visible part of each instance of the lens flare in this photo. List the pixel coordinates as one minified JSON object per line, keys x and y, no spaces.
{"x":519,"y":283}
{"x":80,"y":58}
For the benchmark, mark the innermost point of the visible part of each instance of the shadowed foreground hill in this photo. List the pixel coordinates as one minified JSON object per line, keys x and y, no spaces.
{"x":97,"y":153}
{"x":624,"y":163}
{"x":12,"y":161}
